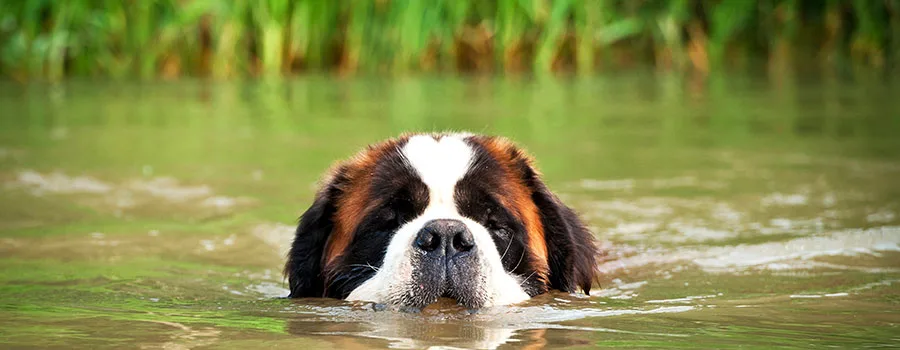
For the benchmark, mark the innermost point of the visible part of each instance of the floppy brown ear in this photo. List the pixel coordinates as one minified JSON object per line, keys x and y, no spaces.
{"x":304,"y":265}
{"x":572,"y":252}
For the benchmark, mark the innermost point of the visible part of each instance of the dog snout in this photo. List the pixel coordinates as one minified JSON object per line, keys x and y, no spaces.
{"x":447,"y":237}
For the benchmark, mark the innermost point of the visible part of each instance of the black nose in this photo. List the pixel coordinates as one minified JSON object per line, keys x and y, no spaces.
{"x":445,"y":236}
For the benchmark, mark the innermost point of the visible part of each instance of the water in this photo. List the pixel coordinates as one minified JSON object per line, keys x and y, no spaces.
{"x":744,"y":210}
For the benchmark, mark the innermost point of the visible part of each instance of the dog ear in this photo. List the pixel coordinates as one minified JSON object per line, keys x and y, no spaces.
{"x":304,"y":264}
{"x":574,"y":254}
{"x":573,"y":263}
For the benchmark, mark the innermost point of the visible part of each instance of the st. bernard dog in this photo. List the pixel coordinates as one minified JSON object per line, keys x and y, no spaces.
{"x":424,"y":216}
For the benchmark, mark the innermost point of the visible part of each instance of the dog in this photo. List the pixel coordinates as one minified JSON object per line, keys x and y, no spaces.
{"x":430,"y":215}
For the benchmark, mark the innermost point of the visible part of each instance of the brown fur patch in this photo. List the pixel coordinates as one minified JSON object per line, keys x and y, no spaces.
{"x":519,"y":198}
{"x":355,"y":201}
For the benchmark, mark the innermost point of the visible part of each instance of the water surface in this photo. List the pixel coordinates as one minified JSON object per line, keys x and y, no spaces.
{"x":744,"y":210}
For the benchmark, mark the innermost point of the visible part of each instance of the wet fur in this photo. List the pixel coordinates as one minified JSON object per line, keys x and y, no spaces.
{"x":488,"y":195}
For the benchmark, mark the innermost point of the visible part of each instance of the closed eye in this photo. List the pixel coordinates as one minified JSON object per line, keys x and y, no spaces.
{"x":490,"y":217}
{"x":496,"y":224}
{"x":484,"y":208}
{"x":401,"y":209}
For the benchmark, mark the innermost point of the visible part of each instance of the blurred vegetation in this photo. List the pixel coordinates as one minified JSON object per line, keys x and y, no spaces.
{"x":49,"y":39}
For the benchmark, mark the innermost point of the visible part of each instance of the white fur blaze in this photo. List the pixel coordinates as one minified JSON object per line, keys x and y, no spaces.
{"x":440,"y":164}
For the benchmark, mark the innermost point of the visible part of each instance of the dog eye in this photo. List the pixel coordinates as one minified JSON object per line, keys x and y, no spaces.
{"x":489,"y":218}
{"x":494,"y":223}
{"x":500,"y":231}
{"x":400,"y":209}
{"x":402,"y":205}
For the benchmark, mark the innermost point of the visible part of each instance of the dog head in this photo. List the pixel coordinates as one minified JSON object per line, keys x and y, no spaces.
{"x":425,"y":216}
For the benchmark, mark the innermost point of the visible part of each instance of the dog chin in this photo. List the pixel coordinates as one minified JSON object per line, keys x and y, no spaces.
{"x":475,"y":279}
{"x":460,"y":281}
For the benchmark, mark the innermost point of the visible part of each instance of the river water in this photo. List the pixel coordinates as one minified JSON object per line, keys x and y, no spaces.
{"x":750,"y":210}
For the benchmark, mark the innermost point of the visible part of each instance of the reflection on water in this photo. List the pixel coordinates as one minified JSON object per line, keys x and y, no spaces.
{"x":734,"y":210}
{"x":445,"y":324}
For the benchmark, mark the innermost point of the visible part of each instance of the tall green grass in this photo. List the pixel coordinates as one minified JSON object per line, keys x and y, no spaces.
{"x":53,"y":39}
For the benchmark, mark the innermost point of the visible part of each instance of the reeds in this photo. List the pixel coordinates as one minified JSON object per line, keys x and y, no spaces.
{"x":47,"y":39}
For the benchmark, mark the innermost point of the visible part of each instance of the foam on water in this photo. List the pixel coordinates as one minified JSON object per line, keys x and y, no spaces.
{"x":276,"y":235}
{"x":59,"y":183}
{"x":781,"y":199}
{"x":128,"y":194}
{"x":791,"y":254}
{"x":852,"y":242}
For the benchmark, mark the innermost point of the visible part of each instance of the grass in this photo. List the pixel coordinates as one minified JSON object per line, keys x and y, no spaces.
{"x":51,"y":40}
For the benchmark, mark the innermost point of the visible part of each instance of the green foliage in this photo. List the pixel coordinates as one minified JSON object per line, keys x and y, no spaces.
{"x":46,"y":39}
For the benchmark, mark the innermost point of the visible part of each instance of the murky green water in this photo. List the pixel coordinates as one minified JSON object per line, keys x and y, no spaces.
{"x":739,"y":211}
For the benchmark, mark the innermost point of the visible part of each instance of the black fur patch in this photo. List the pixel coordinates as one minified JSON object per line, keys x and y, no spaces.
{"x":304,"y":266}
{"x":573,"y":252}
{"x":404,"y":198}
{"x":477,"y":197}
{"x":400,"y":196}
